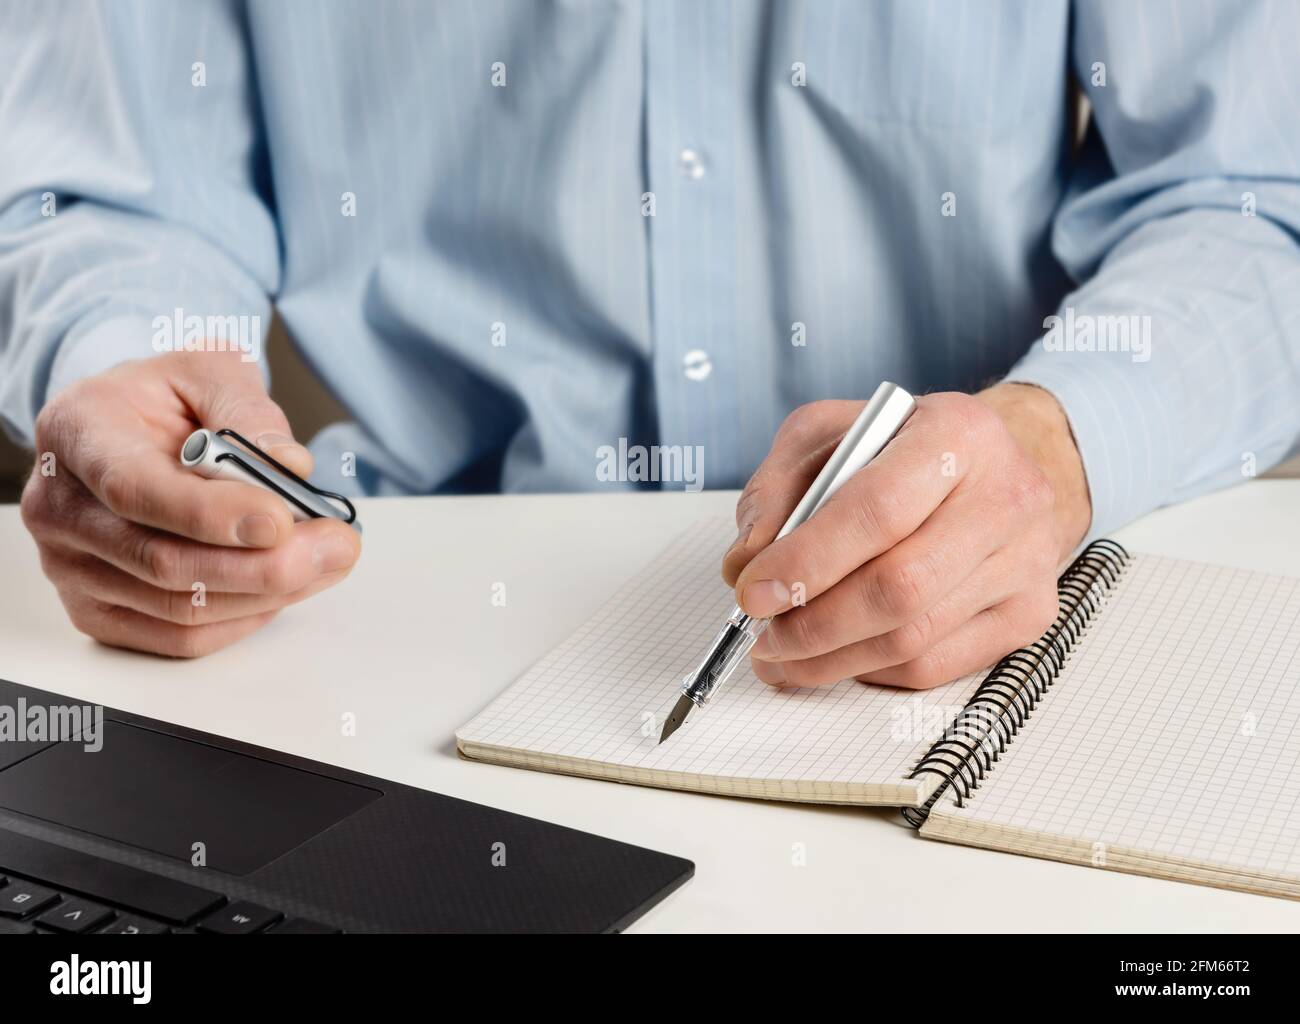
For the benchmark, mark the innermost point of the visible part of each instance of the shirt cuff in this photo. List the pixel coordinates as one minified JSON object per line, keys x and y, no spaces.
{"x":87,"y":351}
{"x":1119,"y":412}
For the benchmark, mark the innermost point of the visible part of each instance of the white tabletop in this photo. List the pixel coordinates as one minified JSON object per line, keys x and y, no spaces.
{"x":413,"y":646}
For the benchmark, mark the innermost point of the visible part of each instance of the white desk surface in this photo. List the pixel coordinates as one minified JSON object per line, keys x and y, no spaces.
{"x":412,"y":645}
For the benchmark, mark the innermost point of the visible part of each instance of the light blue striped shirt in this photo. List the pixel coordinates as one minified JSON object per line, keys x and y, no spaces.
{"x":508,"y":234}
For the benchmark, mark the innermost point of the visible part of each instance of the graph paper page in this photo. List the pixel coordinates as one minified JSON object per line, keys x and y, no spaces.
{"x":602,"y":695}
{"x":1173,"y":732}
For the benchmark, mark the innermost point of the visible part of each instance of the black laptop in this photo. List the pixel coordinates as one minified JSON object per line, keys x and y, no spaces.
{"x":115,"y":824}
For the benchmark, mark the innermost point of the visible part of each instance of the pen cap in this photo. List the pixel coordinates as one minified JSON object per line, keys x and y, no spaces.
{"x":207,"y":453}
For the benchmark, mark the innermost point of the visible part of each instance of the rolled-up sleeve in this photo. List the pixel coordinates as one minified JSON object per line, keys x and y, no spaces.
{"x":1177,"y":359}
{"x":133,"y":184}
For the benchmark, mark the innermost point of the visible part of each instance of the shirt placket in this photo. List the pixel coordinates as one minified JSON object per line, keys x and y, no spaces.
{"x":690,"y":101}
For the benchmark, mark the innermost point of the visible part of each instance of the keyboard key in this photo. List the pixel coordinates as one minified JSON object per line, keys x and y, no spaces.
{"x":18,"y":899}
{"x":8,"y":926}
{"x":145,"y":893}
{"x":129,"y":924}
{"x":239,"y":918}
{"x":303,"y":926}
{"x":75,"y":915}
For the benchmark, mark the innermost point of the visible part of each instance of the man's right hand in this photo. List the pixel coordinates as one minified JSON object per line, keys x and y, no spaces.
{"x":130,"y":539}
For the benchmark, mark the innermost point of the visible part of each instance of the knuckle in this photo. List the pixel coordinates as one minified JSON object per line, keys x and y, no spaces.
{"x":1042,"y":612}
{"x":957,"y":410}
{"x":116,"y":489}
{"x":748,"y":502}
{"x":907,"y":642}
{"x":65,"y":569}
{"x":801,"y":418}
{"x":798,"y":634}
{"x":806,"y":426}
{"x":54,"y":505}
{"x":57,"y":420}
{"x":1029,"y":493}
{"x":973,"y":417}
{"x":52,"y":564}
{"x":1026,"y":619}
{"x":923,"y":673}
{"x":160,"y":560}
{"x":1043,"y":563}
{"x":879,"y":514}
{"x":238,"y":407}
{"x":35,"y":506}
{"x":84,"y":615}
{"x":902,"y":591}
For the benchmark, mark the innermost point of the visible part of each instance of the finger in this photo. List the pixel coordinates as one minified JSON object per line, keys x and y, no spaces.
{"x":53,"y":504}
{"x":899,"y":586}
{"x":835,"y":630}
{"x":989,"y":636}
{"x":223,"y":390}
{"x":123,"y":627}
{"x":876,"y":508}
{"x":315,"y":548}
{"x":149,"y":487}
{"x":97,"y":579}
{"x":995,"y":581}
{"x":800,"y":449}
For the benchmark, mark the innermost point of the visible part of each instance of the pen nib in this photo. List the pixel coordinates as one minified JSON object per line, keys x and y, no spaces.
{"x":680,"y":710}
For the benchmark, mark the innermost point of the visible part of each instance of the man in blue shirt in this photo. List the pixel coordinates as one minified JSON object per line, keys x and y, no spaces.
{"x":513,"y":236}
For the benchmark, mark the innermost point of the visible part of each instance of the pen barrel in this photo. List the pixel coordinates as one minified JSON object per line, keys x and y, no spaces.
{"x":216,"y":458}
{"x":880,"y":419}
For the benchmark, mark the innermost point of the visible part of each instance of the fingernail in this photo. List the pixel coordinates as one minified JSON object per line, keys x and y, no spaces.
{"x":766,"y":647}
{"x":267,"y":442}
{"x":770,"y":672}
{"x":331,"y":555}
{"x":765,"y":598}
{"x":256,"y":531}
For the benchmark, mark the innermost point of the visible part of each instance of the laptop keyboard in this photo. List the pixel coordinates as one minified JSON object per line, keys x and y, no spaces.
{"x":49,"y":889}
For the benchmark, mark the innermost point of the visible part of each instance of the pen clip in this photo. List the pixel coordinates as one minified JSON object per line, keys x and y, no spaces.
{"x":271,"y":483}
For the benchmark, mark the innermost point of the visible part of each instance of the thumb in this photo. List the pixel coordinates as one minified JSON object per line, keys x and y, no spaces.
{"x":224,"y":391}
{"x":762,"y":510}
{"x":800,"y":449}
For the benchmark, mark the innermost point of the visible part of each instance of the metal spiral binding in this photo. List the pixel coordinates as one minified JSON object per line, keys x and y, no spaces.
{"x":1002,"y":704}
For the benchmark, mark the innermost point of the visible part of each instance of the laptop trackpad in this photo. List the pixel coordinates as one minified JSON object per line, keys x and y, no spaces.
{"x":165,"y":794}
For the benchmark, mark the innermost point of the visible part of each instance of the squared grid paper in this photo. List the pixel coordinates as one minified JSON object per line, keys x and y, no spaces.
{"x":1171,"y":737}
{"x":595,"y":705}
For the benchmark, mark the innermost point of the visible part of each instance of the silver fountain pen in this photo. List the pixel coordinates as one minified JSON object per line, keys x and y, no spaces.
{"x":880,"y":419}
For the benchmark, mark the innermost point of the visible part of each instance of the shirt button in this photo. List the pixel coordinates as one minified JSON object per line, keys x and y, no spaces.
{"x":692,"y":163}
{"x":696,"y":364}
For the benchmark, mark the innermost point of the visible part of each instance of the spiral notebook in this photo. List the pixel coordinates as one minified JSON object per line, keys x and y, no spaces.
{"x":1154,"y":729}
